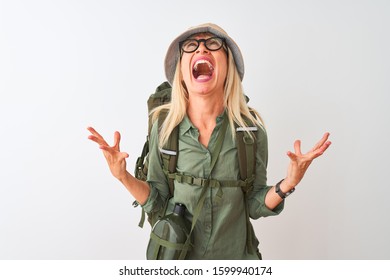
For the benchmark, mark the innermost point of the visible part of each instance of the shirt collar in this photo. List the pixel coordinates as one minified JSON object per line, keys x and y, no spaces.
{"x":187,"y":125}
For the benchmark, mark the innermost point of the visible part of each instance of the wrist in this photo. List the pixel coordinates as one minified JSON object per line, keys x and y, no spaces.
{"x":283,"y":193}
{"x":286,"y":186}
{"x":124,"y":178}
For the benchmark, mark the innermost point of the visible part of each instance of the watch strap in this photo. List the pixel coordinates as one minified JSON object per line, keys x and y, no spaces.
{"x":279,"y":191}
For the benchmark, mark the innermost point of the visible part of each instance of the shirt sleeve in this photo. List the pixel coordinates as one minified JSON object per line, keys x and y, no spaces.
{"x":256,"y":199}
{"x":159,"y":190}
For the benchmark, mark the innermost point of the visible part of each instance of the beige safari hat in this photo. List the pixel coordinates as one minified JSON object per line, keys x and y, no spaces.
{"x":173,"y":52}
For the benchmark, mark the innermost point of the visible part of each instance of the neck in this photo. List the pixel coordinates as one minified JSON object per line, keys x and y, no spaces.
{"x":203,"y":110}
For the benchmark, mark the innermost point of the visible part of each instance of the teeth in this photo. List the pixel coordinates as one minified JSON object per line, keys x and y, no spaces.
{"x":203,"y":61}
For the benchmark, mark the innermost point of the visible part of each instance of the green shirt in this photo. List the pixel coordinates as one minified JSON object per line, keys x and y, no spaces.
{"x":220,"y":231}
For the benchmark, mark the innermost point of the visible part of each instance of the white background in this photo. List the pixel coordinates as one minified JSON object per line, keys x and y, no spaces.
{"x":311,"y":67}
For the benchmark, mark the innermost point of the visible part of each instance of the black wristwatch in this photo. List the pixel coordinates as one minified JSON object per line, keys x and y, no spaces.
{"x":279,"y":191}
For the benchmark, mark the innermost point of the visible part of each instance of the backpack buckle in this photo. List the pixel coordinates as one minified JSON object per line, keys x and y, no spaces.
{"x":248,"y":184}
{"x":200,"y":182}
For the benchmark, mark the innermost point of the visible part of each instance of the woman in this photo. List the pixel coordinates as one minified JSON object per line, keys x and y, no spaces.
{"x":205,"y":68}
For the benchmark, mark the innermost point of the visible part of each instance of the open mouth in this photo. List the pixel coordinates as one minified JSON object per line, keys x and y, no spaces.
{"x":202,"y":70}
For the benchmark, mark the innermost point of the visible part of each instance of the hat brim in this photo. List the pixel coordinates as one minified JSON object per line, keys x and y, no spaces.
{"x":173,"y":52}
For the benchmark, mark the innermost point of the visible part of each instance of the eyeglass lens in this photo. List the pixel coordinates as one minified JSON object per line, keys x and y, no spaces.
{"x":212,"y":44}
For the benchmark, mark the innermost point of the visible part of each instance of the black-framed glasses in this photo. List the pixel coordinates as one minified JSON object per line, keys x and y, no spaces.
{"x":212,"y":44}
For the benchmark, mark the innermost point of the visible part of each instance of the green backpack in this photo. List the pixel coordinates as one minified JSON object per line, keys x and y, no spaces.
{"x":246,"y":148}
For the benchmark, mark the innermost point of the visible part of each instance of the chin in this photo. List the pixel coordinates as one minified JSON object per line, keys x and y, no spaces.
{"x":203,"y":88}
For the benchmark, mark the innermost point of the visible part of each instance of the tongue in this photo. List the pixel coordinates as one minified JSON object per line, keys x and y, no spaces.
{"x":203,"y":77}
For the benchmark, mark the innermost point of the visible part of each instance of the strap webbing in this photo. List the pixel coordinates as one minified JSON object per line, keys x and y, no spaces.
{"x":170,"y":159}
{"x":212,"y":183}
{"x":246,"y":147}
{"x":166,"y":243}
{"x":141,"y":170}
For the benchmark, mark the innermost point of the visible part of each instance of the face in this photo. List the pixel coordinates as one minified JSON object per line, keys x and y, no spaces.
{"x":204,"y":71}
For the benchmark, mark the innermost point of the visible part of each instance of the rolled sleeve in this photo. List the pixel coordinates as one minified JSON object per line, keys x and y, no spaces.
{"x":257,"y":207}
{"x":150,"y":202}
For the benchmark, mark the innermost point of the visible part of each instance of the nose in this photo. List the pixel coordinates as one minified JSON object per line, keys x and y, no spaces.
{"x":202,"y":48}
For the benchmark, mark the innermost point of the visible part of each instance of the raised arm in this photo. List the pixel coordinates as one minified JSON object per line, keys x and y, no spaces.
{"x":116,"y":161}
{"x":299,"y":163}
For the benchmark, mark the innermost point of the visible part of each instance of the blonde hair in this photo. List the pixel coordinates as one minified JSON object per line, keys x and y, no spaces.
{"x":234,"y":103}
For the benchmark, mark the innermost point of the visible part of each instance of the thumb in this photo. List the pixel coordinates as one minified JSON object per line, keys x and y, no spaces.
{"x":292,"y":156}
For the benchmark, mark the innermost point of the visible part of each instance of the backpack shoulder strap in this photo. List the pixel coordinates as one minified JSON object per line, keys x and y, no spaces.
{"x":246,"y":148}
{"x":169,"y":153}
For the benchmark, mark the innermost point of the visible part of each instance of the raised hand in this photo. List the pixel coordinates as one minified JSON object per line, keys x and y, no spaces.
{"x":115,"y":158}
{"x":300,"y":162}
